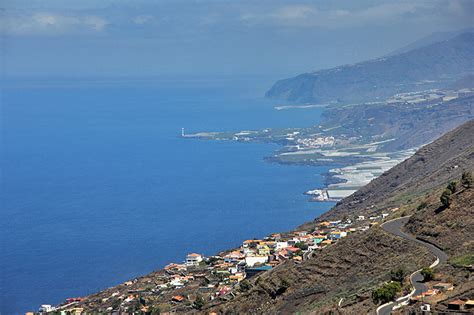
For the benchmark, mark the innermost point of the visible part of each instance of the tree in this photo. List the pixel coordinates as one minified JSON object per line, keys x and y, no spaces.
{"x":452,"y":186}
{"x":466,"y":179}
{"x":301,"y":246}
{"x":245,"y":286}
{"x":446,"y":198}
{"x":387,"y":292}
{"x":427,"y":274}
{"x":398,"y":275}
{"x":199,"y":303}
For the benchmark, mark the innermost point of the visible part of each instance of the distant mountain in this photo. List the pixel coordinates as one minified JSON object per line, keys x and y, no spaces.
{"x":435,"y":65}
{"x":429,"y":40}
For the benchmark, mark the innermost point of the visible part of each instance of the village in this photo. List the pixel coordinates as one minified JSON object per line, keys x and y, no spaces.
{"x":199,"y":280}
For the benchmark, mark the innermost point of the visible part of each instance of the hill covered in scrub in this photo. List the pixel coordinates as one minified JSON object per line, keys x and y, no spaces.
{"x":430,"y":66}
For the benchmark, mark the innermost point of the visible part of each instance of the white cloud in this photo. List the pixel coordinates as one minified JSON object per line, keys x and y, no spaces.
{"x":311,"y":16}
{"x":50,"y":23}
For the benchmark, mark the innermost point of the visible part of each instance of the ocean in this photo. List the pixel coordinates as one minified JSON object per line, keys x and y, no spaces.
{"x":98,"y":187}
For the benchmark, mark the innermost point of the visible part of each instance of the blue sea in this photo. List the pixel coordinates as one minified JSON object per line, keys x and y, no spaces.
{"x":98,"y":186}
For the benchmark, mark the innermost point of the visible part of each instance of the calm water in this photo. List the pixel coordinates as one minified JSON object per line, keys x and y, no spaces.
{"x":97,"y":187}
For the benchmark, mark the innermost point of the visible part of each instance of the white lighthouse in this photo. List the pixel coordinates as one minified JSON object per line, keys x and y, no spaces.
{"x":182,"y":132}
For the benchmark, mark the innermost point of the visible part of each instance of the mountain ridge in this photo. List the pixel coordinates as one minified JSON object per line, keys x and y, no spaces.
{"x":422,"y":68}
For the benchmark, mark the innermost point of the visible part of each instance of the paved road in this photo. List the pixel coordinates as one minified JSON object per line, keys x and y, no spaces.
{"x":393,"y":227}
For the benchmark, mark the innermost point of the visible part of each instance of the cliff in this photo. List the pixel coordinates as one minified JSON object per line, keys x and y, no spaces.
{"x":426,"y":67}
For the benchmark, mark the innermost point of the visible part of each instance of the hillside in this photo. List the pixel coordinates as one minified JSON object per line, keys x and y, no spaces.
{"x":352,"y":268}
{"x":426,"y":67}
{"x":432,"y":166}
{"x":343,"y":275}
{"x":409,"y":125}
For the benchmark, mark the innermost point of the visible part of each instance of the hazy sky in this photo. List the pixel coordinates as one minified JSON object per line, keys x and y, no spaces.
{"x":145,"y":37}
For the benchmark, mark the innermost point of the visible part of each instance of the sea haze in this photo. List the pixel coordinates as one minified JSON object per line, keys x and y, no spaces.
{"x":99,"y":188}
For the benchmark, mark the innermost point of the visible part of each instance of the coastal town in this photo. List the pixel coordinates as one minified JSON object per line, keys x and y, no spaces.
{"x":199,"y":280}
{"x":358,"y":141}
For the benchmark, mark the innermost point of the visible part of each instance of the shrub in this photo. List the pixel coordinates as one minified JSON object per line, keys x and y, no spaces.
{"x":427,"y":274}
{"x":398,"y":275}
{"x":387,"y":292}
{"x":452,"y":186}
{"x":245,"y":286}
{"x":446,"y":197}
{"x":422,"y":206}
{"x":466,"y":179}
{"x":199,"y":303}
{"x":301,"y":246}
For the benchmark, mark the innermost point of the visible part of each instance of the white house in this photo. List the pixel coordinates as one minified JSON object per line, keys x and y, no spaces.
{"x":250,"y":261}
{"x":281,"y":245}
{"x":193,"y":259}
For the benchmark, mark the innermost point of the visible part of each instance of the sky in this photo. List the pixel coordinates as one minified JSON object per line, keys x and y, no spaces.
{"x":139,"y":38}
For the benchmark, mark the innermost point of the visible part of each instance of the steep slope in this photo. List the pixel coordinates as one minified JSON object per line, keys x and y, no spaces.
{"x":409,"y":125}
{"x":350,"y":269}
{"x":431,"y":167}
{"x":430,"y":39}
{"x":353,"y":267}
{"x":429,"y":66}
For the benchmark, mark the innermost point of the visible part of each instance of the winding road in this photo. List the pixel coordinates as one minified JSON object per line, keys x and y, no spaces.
{"x":393,"y":227}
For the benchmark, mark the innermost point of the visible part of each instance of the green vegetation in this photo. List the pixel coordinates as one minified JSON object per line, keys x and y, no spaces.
{"x":466,"y":179}
{"x":427,"y":274}
{"x":199,"y":303}
{"x":301,"y":246}
{"x":446,"y":198}
{"x":422,"y":205}
{"x":463,"y":260}
{"x":453,"y":186}
{"x":387,"y":292}
{"x":398,"y":275}
{"x":245,"y":286}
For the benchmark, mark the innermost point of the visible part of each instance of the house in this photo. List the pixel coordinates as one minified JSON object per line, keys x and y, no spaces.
{"x":279,"y":245}
{"x":384,"y":215}
{"x":276,"y":236}
{"x":223,"y":291}
{"x":301,"y":233}
{"x":173,"y":266}
{"x":193,"y":259}
{"x":441,"y":286}
{"x":233,"y":256}
{"x":469,"y":305}
{"x":337,"y":235}
{"x":250,"y":243}
{"x":239,"y":276}
{"x":430,"y":292}
{"x":75,"y":311}
{"x":326,"y":242}
{"x":46,"y":308}
{"x":177,"y":298}
{"x":457,"y":305}
{"x":263,"y":250}
{"x":251,"y":261}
